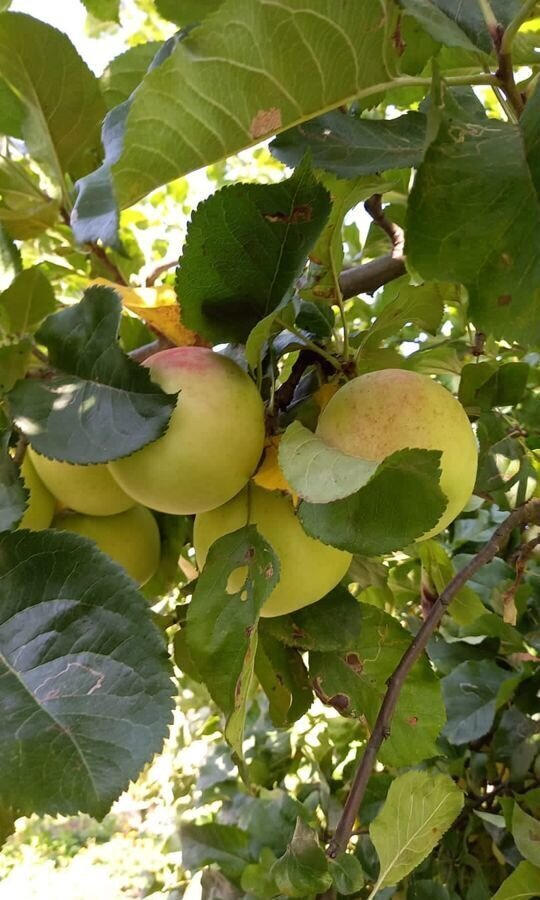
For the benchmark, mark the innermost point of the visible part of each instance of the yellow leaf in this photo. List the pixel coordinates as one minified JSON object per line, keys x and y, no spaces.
{"x":158,"y":307}
{"x":269,"y":474}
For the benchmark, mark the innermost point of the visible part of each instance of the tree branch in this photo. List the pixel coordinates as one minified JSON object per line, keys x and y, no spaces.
{"x":527,"y":514}
{"x":160,"y":270}
{"x":369,"y":277}
{"x":147,"y":350}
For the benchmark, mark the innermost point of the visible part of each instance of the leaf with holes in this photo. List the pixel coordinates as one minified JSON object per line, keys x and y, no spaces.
{"x":245,"y":247}
{"x":221,"y":631}
{"x":103,"y":405}
{"x":85,"y":676}
{"x":353,"y":680}
{"x":419,"y":809}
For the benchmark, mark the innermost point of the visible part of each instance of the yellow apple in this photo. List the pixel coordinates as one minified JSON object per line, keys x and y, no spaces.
{"x":131,"y":538}
{"x":41,"y":503}
{"x":381,"y":412}
{"x":309,"y":569}
{"x":214,"y":440}
{"x":86,"y":489}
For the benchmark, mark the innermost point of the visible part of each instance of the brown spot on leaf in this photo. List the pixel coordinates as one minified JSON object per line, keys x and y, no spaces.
{"x":249,"y":554}
{"x":506,"y":259}
{"x":249,"y":630}
{"x":299,"y":214}
{"x":338,"y":701}
{"x":355,"y":663}
{"x":297,"y":632}
{"x":504,"y":299}
{"x":269,"y":571}
{"x":413,"y":720}
{"x":267,"y":121}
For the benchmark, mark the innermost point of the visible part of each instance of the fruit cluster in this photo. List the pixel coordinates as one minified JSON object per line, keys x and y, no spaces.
{"x":204,"y":462}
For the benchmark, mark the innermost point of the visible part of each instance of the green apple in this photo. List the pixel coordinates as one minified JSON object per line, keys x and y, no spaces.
{"x":41,"y":503}
{"x":131,"y":538}
{"x":377,"y":414}
{"x":214,"y":440}
{"x":309,"y":569}
{"x":86,"y":489}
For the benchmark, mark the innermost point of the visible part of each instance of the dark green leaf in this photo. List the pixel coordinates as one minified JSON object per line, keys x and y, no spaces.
{"x":13,"y":494}
{"x":63,"y":111}
{"x":174,"y":533}
{"x":354,"y":681}
{"x":401,"y":502}
{"x":516,"y":742}
{"x":85,"y":676}
{"x":334,"y":623}
{"x":484,"y":385}
{"x":186,"y":12}
{"x":427,"y":890}
{"x":124,"y":74}
{"x":347,"y":873}
{"x":530,"y":127}
{"x":245,"y":247}
{"x":350,"y":147}
{"x":239,"y":575}
{"x":109,"y":406}
{"x":226,"y":845}
{"x":303,"y":870}
{"x":27,"y":301}
{"x":196,"y":93}
{"x":451,"y":236}
{"x":283,"y":677}
{"x":471,"y":694}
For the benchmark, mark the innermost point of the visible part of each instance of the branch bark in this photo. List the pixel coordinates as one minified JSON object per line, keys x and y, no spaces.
{"x":147,"y":350}
{"x":369,"y":277}
{"x":524,"y":515}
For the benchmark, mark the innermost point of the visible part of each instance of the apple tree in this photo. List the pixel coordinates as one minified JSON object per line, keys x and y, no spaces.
{"x":277,"y":467}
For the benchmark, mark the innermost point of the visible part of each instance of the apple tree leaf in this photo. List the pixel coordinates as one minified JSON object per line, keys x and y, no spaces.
{"x":62,"y":113}
{"x":221,"y":627}
{"x":27,"y":301}
{"x":186,"y":12}
{"x":349,"y":147}
{"x":450,"y":236}
{"x":85,"y":676}
{"x":522,"y":884}
{"x":13,"y":494}
{"x":353,"y":679}
{"x":471,"y":694}
{"x":126,"y":71}
{"x":194,"y":95}
{"x":303,"y":870}
{"x":420,"y":807}
{"x":102,"y":405}
{"x":526,"y":833}
{"x":245,"y":247}
{"x":400,"y":502}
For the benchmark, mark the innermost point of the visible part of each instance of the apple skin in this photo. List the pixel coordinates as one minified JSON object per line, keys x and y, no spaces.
{"x":214,"y":441}
{"x":86,"y":489}
{"x":41,"y":503}
{"x":130,"y":538}
{"x":309,"y":568}
{"x":381,"y":412}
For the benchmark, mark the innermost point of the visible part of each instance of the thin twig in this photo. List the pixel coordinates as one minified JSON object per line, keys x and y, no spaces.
{"x":374,"y":207}
{"x":160,"y":270}
{"x":527,"y":514}
{"x":100,"y":253}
